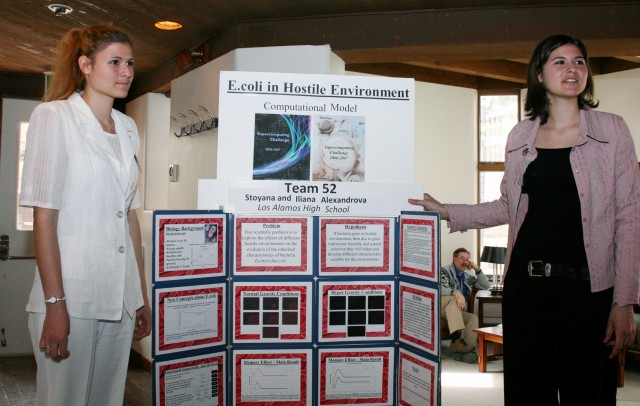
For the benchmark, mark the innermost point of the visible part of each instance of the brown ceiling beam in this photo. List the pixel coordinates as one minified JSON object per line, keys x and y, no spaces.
{"x":495,"y":69}
{"x":398,"y":70}
{"x":611,"y":65}
{"x":461,"y":34}
{"x":429,"y":75}
{"x":21,"y":85}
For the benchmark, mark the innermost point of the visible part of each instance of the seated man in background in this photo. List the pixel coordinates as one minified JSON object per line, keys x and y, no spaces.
{"x":456,"y":282}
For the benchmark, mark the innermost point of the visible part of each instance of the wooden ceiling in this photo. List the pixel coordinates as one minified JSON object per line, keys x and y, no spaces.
{"x":480,"y":44}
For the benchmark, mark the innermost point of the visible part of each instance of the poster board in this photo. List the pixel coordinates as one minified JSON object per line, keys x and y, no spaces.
{"x":318,"y":256}
{"x":320,"y":128}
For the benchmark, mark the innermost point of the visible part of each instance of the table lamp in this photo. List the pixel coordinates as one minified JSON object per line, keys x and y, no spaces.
{"x":495,"y":256}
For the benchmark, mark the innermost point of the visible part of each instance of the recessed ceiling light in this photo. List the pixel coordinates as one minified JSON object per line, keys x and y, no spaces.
{"x":168,"y":25}
{"x":60,"y":9}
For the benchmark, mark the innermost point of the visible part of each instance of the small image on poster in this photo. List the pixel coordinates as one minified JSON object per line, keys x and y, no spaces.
{"x":419,"y":246}
{"x":362,"y":246}
{"x":281,"y":147}
{"x":417,"y":380}
{"x":194,"y":381}
{"x":188,"y":318}
{"x":355,"y":311}
{"x":272,"y":312}
{"x":338,"y":148}
{"x":418,"y":317}
{"x":273,"y":245}
{"x":356,"y":376}
{"x":273,"y":377}
{"x":188,"y":246}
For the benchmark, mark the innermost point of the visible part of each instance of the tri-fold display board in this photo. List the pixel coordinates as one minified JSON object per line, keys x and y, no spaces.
{"x":295,"y":310}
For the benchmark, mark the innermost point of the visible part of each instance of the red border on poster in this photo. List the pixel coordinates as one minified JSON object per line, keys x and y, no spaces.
{"x":162,"y":370}
{"x":387,"y":308}
{"x":190,"y":272}
{"x":432,"y":383}
{"x":303,"y":377}
{"x":304,"y":234}
{"x":430,"y":273}
{"x":430,"y":295}
{"x":323,"y":246}
{"x":302,"y":312}
{"x":351,"y":354}
{"x":191,"y":292}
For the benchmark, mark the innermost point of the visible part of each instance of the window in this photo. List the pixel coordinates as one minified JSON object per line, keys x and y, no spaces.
{"x":24,"y":215}
{"x":497,"y":115}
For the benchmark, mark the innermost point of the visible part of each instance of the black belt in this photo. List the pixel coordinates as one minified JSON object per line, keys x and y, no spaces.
{"x":554,"y":270}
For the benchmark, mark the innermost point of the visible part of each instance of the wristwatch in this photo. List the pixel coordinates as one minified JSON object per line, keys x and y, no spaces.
{"x":54,"y":299}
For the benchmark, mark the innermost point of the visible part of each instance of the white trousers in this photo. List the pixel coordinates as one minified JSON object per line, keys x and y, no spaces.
{"x":95,"y":372}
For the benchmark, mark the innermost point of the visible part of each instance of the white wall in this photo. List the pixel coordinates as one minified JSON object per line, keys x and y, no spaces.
{"x":620,"y":93}
{"x":151,"y":114}
{"x":445,"y":153}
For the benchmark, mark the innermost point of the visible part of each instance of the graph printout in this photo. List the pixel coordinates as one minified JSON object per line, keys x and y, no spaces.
{"x":356,"y":246}
{"x":189,"y":317}
{"x":417,"y":380}
{"x":194,"y":381}
{"x":273,"y":245}
{"x":417,"y":315}
{"x":189,"y":245}
{"x":356,"y":376}
{"x":356,"y":311}
{"x":272,"y":312}
{"x":272,"y":377}
{"x":419,"y":246}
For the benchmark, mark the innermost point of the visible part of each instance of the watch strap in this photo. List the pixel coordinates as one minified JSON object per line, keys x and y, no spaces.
{"x":54,"y":299}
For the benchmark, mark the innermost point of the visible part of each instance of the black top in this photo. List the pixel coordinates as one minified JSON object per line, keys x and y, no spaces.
{"x":552,"y":228}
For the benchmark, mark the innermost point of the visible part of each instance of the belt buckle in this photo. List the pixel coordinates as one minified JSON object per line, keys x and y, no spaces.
{"x":547,"y":268}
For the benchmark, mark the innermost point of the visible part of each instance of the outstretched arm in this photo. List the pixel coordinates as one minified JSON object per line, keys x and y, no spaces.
{"x":431,"y":204}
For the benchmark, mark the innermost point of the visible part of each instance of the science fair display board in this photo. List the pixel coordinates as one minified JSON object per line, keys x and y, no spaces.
{"x":304,"y":277}
{"x":295,"y":310}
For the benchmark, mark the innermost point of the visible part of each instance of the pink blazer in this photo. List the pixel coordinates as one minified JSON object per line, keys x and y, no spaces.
{"x":605,"y":167}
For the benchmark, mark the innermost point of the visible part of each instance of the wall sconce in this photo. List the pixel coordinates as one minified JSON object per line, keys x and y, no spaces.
{"x":495,"y":256}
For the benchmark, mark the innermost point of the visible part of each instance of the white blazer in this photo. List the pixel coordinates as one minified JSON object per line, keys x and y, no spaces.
{"x":70,"y":166}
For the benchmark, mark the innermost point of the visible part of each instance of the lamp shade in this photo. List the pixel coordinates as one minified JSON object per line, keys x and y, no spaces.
{"x":493,"y":255}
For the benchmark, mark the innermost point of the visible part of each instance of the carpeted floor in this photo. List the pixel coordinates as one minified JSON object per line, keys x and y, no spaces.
{"x":463,"y":385}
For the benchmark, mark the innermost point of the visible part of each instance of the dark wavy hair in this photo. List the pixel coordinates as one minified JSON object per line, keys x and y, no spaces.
{"x":537,"y":103}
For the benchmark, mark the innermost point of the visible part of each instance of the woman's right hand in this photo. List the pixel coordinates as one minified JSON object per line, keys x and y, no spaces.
{"x":55,"y":332}
{"x":431,"y":204}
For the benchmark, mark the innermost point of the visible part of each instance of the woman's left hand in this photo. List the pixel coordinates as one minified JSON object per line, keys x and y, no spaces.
{"x":621,"y":329}
{"x":143,"y":323}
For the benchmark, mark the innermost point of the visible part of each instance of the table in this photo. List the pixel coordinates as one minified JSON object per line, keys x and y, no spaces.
{"x":486,"y":334}
{"x":484,"y":296}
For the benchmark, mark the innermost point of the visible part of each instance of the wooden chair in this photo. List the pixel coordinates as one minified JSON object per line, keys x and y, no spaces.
{"x":445,"y":334}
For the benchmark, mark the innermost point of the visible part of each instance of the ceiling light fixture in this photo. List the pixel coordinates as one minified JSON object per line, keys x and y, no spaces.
{"x":168,"y":25}
{"x":60,"y":9}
